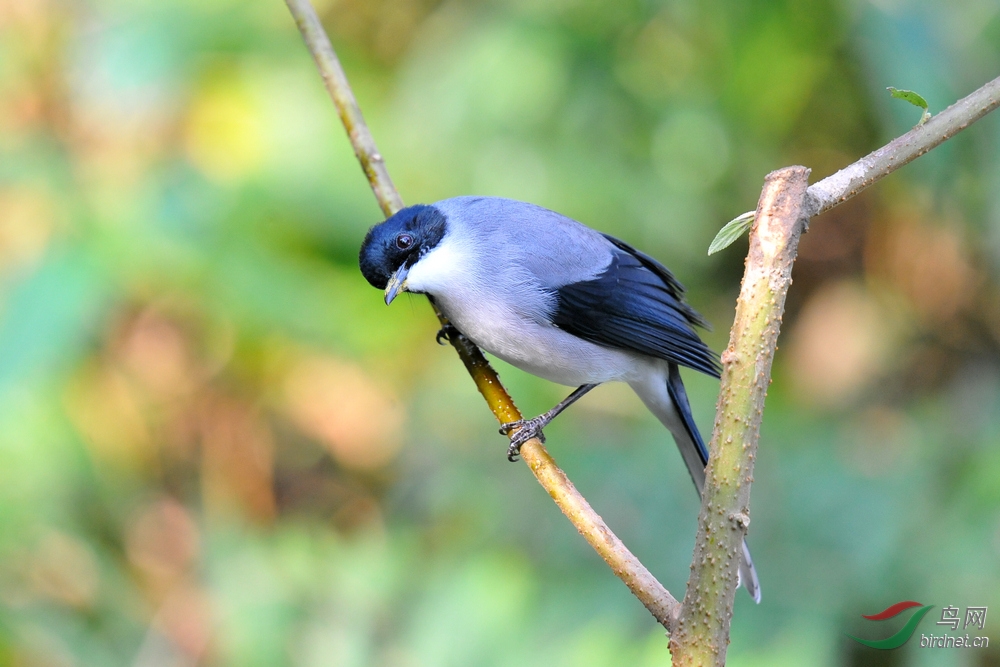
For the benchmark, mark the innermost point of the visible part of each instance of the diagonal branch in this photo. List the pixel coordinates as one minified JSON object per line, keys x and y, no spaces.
{"x":849,"y":181}
{"x":837,"y":188}
{"x":343,"y":98}
{"x":660,"y":603}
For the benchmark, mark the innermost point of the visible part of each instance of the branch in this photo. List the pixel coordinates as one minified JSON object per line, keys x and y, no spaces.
{"x":347,"y":105}
{"x":644,"y":586}
{"x":786,"y":204}
{"x":849,"y":181}
{"x":841,"y":186}
{"x":702,"y":633}
{"x":660,"y":603}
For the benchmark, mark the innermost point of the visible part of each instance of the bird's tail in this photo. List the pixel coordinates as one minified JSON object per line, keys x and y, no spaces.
{"x":669,"y":402}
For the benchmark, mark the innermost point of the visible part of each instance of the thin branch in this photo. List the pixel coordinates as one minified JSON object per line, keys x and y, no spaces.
{"x":837,"y":188}
{"x":660,"y":603}
{"x":347,"y":105}
{"x":841,"y":186}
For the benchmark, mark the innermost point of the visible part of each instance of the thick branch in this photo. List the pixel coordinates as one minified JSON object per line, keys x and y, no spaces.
{"x":660,"y":603}
{"x":702,"y":634}
{"x":847,"y":182}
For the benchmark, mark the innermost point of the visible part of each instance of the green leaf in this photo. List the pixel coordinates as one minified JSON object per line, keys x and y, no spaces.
{"x":913,"y":98}
{"x":732,"y":230}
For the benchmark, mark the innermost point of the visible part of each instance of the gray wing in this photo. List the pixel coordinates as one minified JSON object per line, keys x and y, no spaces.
{"x":517,"y":236}
{"x":635,"y":304}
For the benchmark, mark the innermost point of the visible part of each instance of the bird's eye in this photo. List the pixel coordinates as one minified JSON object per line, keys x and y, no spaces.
{"x":404,"y":241}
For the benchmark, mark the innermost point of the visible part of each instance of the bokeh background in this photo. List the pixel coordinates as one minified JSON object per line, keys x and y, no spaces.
{"x":219,"y":447}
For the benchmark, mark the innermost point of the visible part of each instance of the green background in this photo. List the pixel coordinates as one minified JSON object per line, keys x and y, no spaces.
{"x":219,"y":447}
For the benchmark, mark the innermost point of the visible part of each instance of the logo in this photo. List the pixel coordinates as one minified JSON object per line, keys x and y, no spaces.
{"x":904,"y":633}
{"x":950,"y":616}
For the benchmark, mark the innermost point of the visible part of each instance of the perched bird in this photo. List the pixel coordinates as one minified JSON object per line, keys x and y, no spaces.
{"x":557,"y":299}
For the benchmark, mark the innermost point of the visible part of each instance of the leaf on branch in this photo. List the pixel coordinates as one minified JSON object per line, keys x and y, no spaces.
{"x":913,"y":98}
{"x":732,"y":230}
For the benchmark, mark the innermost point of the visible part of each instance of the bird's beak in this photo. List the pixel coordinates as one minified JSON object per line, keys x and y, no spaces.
{"x":397,"y":284}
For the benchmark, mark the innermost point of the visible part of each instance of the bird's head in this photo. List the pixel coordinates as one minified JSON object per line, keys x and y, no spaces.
{"x":391,"y":248}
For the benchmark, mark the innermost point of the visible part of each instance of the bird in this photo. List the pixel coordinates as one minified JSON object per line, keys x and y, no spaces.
{"x":557,"y":299}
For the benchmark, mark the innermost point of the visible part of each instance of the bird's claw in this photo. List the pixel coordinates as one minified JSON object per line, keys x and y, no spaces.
{"x":526,"y":429}
{"x":444,"y":334}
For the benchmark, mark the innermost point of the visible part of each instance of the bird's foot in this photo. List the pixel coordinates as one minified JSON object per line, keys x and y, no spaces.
{"x":444,"y":334}
{"x":526,"y":429}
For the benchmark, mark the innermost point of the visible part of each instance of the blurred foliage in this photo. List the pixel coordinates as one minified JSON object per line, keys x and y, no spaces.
{"x":218,"y":447}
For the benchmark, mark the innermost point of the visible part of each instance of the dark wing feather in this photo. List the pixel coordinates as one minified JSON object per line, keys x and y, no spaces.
{"x":635,"y":304}
{"x":675,"y":387}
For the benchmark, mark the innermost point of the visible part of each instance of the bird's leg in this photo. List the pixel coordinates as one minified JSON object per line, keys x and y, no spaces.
{"x":445,"y":333}
{"x":526,"y":429}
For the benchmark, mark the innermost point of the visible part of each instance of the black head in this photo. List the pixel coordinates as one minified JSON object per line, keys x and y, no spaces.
{"x":390,"y":248}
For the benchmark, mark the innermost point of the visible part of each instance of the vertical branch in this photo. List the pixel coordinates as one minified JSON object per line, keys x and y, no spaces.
{"x":702,"y":633}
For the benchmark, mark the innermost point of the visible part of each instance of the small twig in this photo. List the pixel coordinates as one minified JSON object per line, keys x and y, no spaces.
{"x":660,"y":603}
{"x":849,"y":181}
{"x":841,"y":186}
